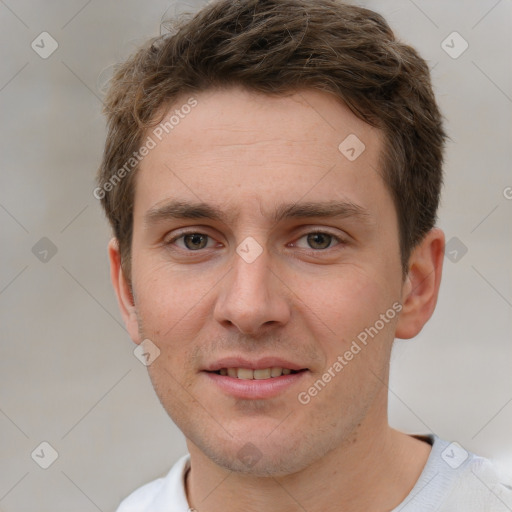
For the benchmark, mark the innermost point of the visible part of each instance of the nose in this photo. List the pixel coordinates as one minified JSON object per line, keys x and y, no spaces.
{"x":252,"y":297}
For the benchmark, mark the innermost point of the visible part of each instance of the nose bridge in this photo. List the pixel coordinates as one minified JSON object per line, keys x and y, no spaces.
{"x":250,"y":296}
{"x":251,"y":277}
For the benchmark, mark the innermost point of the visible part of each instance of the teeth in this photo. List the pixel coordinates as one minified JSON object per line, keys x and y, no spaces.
{"x":262,"y":374}
{"x":276,"y":371}
{"x":248,"y":374}
{"x":245,"y":373}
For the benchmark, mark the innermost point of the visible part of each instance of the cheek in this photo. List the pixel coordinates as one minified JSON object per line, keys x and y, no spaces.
{"x":350,"y":307}
{"x":167,"y":297}
{"x":357,"y":347}
{"x":347,"y":300}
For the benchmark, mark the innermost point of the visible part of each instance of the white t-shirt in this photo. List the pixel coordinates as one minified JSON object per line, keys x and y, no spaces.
{"x":452,"y":480}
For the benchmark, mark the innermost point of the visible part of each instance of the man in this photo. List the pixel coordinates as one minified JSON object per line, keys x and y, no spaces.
{"x":272,"y":173}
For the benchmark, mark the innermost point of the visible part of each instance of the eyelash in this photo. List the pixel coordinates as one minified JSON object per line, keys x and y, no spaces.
{"x":320,"y":232}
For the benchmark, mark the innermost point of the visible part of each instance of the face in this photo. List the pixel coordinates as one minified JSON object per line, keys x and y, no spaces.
{"x":291,"y":261}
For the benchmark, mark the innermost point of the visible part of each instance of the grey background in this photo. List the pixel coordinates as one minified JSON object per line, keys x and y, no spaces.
{"x":67,"y":369}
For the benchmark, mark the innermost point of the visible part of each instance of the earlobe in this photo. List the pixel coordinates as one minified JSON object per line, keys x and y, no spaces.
{"x":421,"y":286}
{"x":123,"y":291}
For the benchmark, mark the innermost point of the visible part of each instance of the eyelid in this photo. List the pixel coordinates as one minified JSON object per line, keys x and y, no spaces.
{"x":186,"y":232}
{"x":321,"y":231}
{"x":340,"y":239}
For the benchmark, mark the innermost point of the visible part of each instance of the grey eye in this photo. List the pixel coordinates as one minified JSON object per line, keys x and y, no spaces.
{"x":319,"y":240}
{"x":197,"y":241}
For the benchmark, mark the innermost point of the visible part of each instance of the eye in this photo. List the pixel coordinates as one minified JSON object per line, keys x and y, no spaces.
{"x":195,"y":241}
{"x":320,"y":240}
{"x":192,"y":241}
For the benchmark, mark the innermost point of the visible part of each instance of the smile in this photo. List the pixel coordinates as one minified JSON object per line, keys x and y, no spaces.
{"x":251,"y":384}
{"x":260,"y":374}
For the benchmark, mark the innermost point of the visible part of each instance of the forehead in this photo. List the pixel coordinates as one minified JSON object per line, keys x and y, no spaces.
{"x":236,"y":148}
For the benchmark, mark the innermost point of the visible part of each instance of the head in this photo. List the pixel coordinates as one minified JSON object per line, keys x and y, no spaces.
{"x":231,"y":141}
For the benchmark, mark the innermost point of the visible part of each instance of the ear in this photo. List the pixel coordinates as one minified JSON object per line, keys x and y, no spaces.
{"x":123,"y":291}
{"x":421,"y":286}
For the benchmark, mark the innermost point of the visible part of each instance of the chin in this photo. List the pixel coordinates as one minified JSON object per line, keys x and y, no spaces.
{"x":250,"y":460}
{"x":254,"y":452}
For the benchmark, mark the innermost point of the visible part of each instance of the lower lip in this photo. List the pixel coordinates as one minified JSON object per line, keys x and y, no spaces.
{"x":255,"y":388}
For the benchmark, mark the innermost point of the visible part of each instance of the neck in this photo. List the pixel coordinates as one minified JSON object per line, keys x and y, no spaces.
{"x":375,"y":471}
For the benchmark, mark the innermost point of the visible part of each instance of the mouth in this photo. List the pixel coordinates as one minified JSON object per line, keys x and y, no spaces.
{"x":256,"y":374}
{"x":255,"y":378}
{"x":261,"y":379}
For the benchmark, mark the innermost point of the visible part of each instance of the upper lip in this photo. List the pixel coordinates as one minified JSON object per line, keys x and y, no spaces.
{"x":258,"y":364}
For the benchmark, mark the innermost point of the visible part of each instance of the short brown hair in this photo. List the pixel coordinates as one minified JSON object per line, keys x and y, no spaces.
{"x":275,"y":47}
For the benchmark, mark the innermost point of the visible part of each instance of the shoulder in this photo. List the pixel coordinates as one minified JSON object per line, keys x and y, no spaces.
{"x":164,"y":494}
{"x":141,"y":498}
{"x":457,"y":479}
{"x":482,"y":486}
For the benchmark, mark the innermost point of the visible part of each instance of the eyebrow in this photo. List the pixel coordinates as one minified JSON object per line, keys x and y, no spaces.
{"x":178,"y":209}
